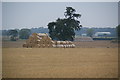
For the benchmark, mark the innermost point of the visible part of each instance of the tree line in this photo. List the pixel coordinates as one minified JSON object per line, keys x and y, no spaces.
{"x":21,"y":34}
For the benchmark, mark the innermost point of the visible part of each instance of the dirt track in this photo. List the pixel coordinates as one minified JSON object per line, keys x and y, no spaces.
{"x":60,"y":63}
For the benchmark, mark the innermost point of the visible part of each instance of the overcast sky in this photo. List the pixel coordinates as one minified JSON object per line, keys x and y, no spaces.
{"x":39,"y":14}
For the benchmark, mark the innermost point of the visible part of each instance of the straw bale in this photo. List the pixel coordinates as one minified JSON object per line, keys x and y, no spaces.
{"x":61,"y":46}
{"x":34,"y":34}
{"x":24,"y":45}
{"x":58,"y":42}
{"x":42,"y":34}
{"x":70,"y":42}
{"x":52,"y":42}
{"x":54,"y":46}
{"x":64,"y":42}
{"x":58,"y":46}
{"x":50,"y":45}
{"x":30,"y":45}
{"x":67,"y":42}
{"x":73,"y":45}
{"x":64,"y":46}
{"x":36,"y":46}
{"x":70,"y":46}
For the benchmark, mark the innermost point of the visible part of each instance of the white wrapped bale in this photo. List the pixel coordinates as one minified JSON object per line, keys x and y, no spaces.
{"x":73,"y":46}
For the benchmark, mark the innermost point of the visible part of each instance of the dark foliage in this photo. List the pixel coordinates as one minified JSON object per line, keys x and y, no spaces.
{"x":13,"y":34}
{"x":24,"y":33}
{"x":64,"y":29}
{"x":118,"y":31}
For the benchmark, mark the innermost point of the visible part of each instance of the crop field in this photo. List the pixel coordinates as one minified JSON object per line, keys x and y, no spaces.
{"x":60,"y":63}
{"x":96,"y":59}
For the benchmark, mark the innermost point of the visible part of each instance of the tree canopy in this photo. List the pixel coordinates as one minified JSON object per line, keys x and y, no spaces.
{"x":24,"y":33}
{"x":64,"y":29}
{"x":13,"y":34}
{"x":90,"y":32}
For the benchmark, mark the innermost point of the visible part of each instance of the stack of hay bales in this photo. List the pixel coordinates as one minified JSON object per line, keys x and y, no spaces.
{"x":42,"y":40}
{"x":39,"y":40}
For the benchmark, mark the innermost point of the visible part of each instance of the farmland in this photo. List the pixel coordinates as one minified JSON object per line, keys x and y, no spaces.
{"x":92,"y":44}
{"x":98,"y":61}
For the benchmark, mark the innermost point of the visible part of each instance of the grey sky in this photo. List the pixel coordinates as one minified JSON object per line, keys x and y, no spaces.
{"x":0,"y":15}
{"x":39,"y":14}
{"x":119,"y":13}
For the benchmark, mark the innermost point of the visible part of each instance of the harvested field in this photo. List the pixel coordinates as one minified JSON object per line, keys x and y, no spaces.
{"x":96,"y":44}
{"x":95,"y":59}
{"x":60,"y":63}
{"x":13,"y":44}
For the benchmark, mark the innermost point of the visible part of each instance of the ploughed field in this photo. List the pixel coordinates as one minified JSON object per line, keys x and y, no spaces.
{"x":60,"y":62}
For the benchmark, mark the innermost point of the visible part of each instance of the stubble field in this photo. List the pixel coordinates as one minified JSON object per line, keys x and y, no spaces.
{"x":94,"y":62}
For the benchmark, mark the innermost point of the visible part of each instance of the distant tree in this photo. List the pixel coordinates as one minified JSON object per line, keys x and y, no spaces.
{"x":90,"y":32}
{"x":13,"y":34}
{"x":64,"y":29}
{"x":24,"y":33}
{"x":118,"y":31}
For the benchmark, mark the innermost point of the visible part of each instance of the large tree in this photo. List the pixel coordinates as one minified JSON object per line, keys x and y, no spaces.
{"x":64,"y":29}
